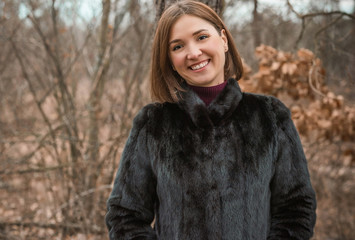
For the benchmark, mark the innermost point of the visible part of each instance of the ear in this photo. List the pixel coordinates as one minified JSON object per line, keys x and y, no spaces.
{"x":224,"y":39}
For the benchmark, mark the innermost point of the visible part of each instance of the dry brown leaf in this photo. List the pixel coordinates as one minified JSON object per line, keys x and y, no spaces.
{"x":289,"y":68}
{"x":275,"y":66}
{"x":305,"y":55}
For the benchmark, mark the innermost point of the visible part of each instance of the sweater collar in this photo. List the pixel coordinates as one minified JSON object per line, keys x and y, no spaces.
{"x":219,"y":110}
{"x":208,"y":94}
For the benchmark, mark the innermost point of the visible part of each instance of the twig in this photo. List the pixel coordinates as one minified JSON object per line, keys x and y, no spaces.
{"x":311,"y":15}
{"x":34,"y":170}
{"x":32,"y":89}
{"x":300,"y":36}
{"x":318,"y":13}
{"x":324,"y":28}
{"x":83,"y":194}
{"x":72,"y":226}
{"x":310,"y":80}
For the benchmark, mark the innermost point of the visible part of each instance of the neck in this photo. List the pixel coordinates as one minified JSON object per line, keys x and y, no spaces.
{"x":208,"y":94}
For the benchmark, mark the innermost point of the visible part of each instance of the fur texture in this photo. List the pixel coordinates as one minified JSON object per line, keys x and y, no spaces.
{"x":232,"y":170}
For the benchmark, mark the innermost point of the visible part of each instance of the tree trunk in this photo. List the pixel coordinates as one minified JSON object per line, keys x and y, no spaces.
{"x":216,"y":5}
{"x":94,"y":106}
{"x":255,"y":25}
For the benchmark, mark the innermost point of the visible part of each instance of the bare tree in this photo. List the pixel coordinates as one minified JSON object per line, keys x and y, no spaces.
{"x":330,"y":33}
{"x":73,"y":111}
{"x":216,"y":5}
{"x":303,"y":17}
{"x":93,"y":164}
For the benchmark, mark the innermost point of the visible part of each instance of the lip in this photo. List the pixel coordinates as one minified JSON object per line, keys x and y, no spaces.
{"x":197,"y":70}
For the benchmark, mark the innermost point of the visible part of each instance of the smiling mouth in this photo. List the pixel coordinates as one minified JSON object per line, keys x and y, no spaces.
{"x":200,"y":65}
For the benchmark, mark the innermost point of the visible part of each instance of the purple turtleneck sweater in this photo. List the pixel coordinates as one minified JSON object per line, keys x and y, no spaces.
{"x":208,"y":94}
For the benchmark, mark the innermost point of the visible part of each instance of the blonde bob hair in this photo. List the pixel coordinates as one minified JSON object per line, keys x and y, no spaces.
{"x":164,"y":81}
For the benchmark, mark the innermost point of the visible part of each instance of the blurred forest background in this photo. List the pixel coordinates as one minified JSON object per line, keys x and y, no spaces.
{"x":73,"y":74}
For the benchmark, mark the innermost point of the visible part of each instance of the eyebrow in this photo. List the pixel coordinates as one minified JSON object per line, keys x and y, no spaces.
{"x":195,"y":33}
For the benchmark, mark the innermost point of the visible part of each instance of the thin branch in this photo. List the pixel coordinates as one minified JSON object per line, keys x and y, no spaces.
{"x":72,"y":226}
{"x":303,"y":18}
{"x":34,"y":170}
{"x":38,"y":103}
{"x":327,"y":26}
{"x":41,"y":142}
{"x":78,"y":52}
{"x":83,"y":194}
{"x":311,"y":79}
{"x":300,"y":36}
{"x":322,"y":30}
{"x":329,"y":14}
{"x":310,"y":15}
{"x":68,"y":103}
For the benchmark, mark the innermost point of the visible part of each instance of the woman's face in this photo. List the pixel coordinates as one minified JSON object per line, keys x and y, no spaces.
{"x":197,"y":51}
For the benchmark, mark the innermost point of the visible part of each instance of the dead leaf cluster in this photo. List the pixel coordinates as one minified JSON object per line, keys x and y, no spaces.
{"x":298,"y":80}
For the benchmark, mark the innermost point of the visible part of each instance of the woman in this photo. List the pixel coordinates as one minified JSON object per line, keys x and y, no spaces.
{"x":208,"y":161}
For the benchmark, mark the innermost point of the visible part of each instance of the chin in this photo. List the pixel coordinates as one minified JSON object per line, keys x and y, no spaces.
{"x":201,"y":83}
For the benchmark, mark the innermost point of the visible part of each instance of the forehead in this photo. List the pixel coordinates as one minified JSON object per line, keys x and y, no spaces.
{"x":187,"y":25}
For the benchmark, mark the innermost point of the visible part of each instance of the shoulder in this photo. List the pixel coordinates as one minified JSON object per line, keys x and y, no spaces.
{"x":267,"y":105}
{"x":154,"y":119}
{"x":153,"y":113}
{"x":147,"y":112}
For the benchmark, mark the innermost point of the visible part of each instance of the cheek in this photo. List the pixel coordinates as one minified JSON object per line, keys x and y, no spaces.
{"x":215,"y":48}
{"x":177,"y":60}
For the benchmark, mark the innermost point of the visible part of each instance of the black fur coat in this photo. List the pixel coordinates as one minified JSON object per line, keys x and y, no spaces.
{"x":232,"y":170}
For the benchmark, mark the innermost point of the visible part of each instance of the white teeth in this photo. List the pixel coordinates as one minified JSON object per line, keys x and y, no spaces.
{"x":201,"y":65}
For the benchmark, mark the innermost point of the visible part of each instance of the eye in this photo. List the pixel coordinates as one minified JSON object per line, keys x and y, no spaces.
{"x":176,"y":47}
{"x":202,"y":37}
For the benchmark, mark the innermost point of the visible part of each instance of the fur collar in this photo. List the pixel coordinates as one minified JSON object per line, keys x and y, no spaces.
{"x":219,"y":110}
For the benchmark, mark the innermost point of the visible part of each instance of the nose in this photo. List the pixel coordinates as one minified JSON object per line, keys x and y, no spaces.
{"x":193,"y":52}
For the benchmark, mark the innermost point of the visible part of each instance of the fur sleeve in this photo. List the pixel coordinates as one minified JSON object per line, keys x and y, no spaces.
{"x":131,"y":203}
{"x":293,"y":202}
